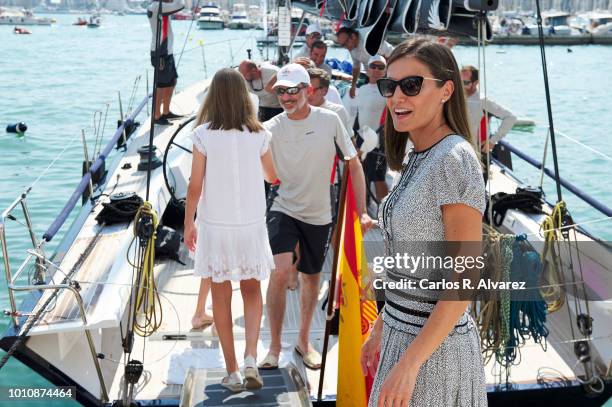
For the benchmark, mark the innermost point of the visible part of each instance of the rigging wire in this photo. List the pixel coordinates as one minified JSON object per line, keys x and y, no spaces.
{"x":548,"y":100}
{"x":599,"y":153}
{"x":187,"y":36}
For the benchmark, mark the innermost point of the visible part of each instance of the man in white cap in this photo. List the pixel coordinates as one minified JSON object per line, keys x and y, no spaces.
{"x":368,"y":106}
{"x":303,"y":143}
{"x":313,"y":33}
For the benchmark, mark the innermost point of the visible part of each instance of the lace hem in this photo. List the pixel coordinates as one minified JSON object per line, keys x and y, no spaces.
{"x":233,"y":253}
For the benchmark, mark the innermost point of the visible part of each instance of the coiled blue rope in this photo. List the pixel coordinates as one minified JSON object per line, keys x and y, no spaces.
{"x":528,"y":310}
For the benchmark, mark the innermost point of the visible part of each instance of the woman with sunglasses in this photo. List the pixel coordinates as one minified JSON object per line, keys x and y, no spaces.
{"x":427,"y":352}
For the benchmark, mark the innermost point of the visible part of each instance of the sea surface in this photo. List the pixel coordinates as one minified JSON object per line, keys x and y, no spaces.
{"x":56,"y":79}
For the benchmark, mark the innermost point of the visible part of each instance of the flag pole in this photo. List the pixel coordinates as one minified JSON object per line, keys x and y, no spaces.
{"x":332,"y":284}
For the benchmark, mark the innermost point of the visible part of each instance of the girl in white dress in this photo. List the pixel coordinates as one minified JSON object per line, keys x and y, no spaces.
{"x":229,"y":236}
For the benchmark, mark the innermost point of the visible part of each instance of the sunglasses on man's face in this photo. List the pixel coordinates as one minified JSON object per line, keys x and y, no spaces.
{"x":315,"y":35}
{"x":376,"y":66}
{"x":467,"y":82}
{"x":410,"y":85}
{"x":289,"y":91}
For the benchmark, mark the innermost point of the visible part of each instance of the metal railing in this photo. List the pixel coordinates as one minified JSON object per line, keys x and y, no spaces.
{"x":594,"y":203}
{"x":38,"y":255}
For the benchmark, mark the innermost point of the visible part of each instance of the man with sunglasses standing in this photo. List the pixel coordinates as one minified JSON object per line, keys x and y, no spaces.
{"x":368,"y":106}
{"x":313,"y":33}
{"x":257,"y":77}
{"x":303,"y":143}
{"x":317,"y":92}
{"x":479,"y":125}
{"x":351,"y":39}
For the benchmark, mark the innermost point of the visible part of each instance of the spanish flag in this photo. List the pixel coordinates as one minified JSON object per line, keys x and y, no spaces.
{"x":356,"y":313}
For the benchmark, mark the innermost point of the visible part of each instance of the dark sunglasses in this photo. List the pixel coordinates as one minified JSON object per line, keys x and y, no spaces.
{"x":289,"y":91}
{"x":410,"y":85}
{"x":466,"y":82}
{"x":376,"y":66}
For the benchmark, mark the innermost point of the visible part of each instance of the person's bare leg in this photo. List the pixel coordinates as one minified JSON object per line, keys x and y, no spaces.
{"x":276,"y":298}
{"x":222,"y":312}
{"x":200,"y":312}
{"x":293,"y":273}
{"x":159,"y":96}
{"x":167,"y":98}
{"x":381,"y":189}
{"x":309,"y":293}
{"x":253,"y":308}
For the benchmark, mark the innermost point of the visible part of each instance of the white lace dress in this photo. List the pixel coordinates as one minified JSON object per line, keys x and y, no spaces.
{"x":232,"y":242}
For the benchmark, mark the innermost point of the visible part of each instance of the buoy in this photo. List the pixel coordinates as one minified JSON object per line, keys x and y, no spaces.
{"x":18,"y":128}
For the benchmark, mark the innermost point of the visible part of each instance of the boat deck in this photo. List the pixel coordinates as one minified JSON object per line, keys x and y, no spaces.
{"x":170,"y":352}
{"x":176,"y":347}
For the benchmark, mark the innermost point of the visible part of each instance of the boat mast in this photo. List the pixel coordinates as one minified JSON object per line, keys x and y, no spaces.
{"x":283,"y":30}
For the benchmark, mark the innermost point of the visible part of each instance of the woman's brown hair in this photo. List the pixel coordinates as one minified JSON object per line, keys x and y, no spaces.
{"x":227,"y":104}
{"x":441,"y":62}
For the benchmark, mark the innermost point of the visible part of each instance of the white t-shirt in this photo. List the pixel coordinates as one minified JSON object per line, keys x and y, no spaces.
{"x":342,"y":114}
{"x":167,"y":37}
{"x":333,"y":95}
{"x":302,"y":52}
{"x":369,"y":105}
{"x":360,"y":56}
{"x":258,"y":86}
{"x":476,"y":108}
{"x":303,"y":153}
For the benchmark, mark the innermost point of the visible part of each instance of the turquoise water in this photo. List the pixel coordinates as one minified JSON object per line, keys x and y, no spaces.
{"x":56,"y":78}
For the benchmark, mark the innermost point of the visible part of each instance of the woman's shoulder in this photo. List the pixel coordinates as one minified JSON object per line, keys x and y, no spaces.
{"x":201,"y":129}
{"x":455,"y":146}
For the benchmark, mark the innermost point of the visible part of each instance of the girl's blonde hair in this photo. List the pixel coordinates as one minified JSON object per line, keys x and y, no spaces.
{"x":227,"y":104}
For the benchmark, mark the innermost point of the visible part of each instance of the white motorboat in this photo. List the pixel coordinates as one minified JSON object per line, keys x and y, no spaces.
{"x":210,"y":18}
{"x":598,"y":24}
{"x":22,"y":17}
{"x":239,"y":19}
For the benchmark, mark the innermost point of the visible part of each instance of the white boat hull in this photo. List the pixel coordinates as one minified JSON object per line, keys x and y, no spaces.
{"x":210,"y":25}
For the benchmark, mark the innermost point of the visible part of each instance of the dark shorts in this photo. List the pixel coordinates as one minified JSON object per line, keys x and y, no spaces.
{"x":166,"y":72}
{"x":266,"y":113}
{"x":375,"y":166}
{"x":286,"y":232}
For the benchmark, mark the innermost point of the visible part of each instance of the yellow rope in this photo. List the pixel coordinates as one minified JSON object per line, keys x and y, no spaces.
{"x":550,"y":228}
{"x":148,"y":307}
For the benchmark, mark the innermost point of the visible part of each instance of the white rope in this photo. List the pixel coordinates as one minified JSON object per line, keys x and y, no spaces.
{"x":599,"y":153}
{"x":52,"y":163}
{"x":588,"y":222}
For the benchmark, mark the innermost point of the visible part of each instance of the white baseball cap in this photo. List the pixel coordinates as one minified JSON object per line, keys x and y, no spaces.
{"x":313,"y":28}
{"x":292,"y":75}
{"x":377,"y":58}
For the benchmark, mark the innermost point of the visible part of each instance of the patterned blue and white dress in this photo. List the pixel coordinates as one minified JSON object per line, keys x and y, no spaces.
{"x":446,"y":173}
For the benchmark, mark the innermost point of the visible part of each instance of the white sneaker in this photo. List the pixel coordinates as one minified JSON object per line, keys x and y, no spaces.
{"x":252,"y":379}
